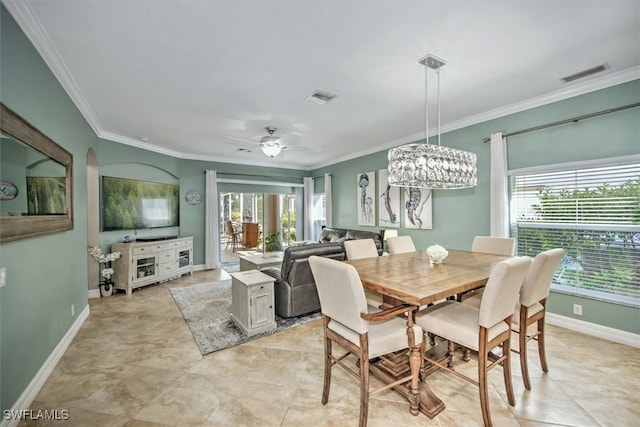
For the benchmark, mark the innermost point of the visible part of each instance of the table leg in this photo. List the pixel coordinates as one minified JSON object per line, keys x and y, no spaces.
{"x":415,"y":360}
{"x":428,"y":403}
{"x":390,"y":368}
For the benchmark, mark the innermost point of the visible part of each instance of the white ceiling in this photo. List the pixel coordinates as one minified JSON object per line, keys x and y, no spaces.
{"x":189,"y":76}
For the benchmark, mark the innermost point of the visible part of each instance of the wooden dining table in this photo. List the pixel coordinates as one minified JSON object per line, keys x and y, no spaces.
{"x":411,"y":278}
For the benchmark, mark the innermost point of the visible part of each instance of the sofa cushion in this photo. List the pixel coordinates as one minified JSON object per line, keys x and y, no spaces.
{"x":331,"y":233}
{"x":294,"y":253}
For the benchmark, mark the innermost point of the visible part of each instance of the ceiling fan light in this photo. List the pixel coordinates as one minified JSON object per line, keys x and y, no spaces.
{"x":271,"y":150}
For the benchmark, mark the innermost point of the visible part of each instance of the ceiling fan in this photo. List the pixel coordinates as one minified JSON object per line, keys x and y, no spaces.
{"x":272,"y":145}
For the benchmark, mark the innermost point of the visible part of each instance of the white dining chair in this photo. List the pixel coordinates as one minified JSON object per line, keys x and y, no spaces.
{"x":360,"y":248}
{"x":481,"y":329}
{"x":361,"y":330}
{"x":364,"y":248}
{"x":531,"y":307}
{"x":489,"y":245}
{"x":494,"y":245}
{"x":400,"y":245}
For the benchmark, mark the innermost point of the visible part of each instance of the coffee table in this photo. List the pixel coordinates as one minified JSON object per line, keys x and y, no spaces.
{"x":260,"y":261}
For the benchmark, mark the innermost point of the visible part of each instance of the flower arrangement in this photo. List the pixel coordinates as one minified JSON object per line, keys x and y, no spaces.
{"x":437,"y":253}
{"x":107,"y":259}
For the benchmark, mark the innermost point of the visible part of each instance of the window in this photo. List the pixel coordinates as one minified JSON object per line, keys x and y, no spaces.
{"x":318,"y":215}
{"x":593,"y":212}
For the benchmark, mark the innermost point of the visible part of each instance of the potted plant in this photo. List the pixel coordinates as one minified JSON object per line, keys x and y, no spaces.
{"x":272,"y":242}
{"x":106,"y":286}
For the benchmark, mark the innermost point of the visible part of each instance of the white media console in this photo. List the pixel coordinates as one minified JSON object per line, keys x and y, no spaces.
{"x":147,"y":262}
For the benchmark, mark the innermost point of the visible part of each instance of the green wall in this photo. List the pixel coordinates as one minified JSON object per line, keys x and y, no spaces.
{"x":459,"y":215}
{"x":46,"y":275}
{"x":190,"y":174}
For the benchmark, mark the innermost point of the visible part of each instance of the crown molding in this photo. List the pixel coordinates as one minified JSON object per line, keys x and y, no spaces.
{"x":266,"y":162}
{"x":571,"y":91}
{"x":33,"y":29}
{"x":31,"y":26}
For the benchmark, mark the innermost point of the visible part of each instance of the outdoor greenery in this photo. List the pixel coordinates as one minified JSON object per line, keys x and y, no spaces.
{"x":272,"y":242}
{"x":597,"y":258}
{"x":288,"y":223}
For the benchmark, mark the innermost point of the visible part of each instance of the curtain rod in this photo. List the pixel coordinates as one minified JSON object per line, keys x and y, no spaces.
{"x":562,"y":122}
{"x":320,"y":176}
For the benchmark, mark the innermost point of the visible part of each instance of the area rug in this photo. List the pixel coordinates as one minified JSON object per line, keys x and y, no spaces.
{"x":231,"y":267}
{"x":206,"y":307}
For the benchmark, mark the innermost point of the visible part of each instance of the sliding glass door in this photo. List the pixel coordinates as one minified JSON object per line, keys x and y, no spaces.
{"x":267,"y":221}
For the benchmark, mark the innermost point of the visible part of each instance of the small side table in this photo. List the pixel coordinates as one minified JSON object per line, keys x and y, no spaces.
{"x":252,"y":302}
{"x":260,"y":261}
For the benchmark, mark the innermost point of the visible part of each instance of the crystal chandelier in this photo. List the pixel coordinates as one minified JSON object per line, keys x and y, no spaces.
{"x":427,"y":165}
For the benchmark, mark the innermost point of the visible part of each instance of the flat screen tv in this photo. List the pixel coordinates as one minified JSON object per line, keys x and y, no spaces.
{"x":129,"y":204}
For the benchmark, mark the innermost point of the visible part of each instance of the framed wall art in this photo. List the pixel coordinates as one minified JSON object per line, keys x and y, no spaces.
{"x":193,"y":198}
{"x":418,"y":208}
{"x":389,"y":198}
{"x":8,"y":191}
{"x":366,"y":189}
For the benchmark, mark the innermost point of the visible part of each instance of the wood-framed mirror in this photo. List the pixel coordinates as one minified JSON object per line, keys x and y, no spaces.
{"x":36,"y":181}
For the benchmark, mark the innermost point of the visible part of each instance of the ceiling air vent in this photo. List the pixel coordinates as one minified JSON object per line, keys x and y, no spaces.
{"x":320,"y":96}
{"x":582,"y":74}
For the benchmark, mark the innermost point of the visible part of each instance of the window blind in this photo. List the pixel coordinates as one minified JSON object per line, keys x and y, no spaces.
{"x":591,"y":212}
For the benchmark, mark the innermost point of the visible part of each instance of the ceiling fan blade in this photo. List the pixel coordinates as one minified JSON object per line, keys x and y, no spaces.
{"x":248,"y":141}
{"x":306,"y":148}
{"x":246,"y":150}
{"x":290,"y":139}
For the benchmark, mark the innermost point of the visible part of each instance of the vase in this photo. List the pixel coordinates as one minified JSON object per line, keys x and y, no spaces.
{"x":436,"y":260}
{"x":106,"y":289}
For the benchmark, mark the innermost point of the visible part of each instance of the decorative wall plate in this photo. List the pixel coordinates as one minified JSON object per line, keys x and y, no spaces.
{"x":193,"y":198}
{"x":8,"y":191}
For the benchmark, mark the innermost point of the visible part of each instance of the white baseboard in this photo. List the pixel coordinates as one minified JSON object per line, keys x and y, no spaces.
{"x":30,"y":393}
{"x":95,"y":293}
{"x":599,"y":331}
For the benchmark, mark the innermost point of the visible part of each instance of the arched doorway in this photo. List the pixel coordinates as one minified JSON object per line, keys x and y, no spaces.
{"x":93,"y":221}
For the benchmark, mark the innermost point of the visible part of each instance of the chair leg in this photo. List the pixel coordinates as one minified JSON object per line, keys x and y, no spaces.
{"x":451,"y":348}
{"x":541,"y":350}
{"x":522,"y":344}
{"x":364,"y":391}
{"x":327,"y":369}
{"x":506,"y":370}
{"x":466,"y":354}
{"x":482,"y":377}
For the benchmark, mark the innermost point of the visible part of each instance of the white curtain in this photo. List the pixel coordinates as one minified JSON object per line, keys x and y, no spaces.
{"x":327,"y":199}
{"x":212,"y":222}
{"x":499,"y":187}
{"x":308,"y":208}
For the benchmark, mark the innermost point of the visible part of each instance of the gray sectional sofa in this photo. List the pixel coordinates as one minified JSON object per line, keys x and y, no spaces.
{"x":295,"y":287}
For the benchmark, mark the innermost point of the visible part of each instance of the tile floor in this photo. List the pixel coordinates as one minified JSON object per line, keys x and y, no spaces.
{"x":134,"y":363}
